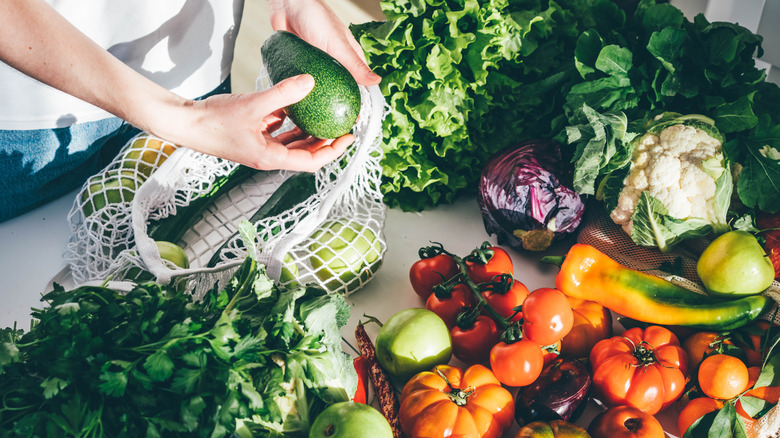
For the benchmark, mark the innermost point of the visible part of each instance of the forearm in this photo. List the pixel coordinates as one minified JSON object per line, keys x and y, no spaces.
{"x":39,"y":42}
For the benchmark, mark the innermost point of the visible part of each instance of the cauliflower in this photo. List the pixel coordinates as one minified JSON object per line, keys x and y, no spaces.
{"x":677,"y":185}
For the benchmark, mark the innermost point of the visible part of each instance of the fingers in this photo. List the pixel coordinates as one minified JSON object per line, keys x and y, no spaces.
{"x":357,"y":65}
{"x":287,"y":92}
{"x":307,"y":155}
{"x":360,"y":71}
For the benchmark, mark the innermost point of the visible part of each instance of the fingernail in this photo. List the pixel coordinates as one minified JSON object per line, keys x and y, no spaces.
{"x":305,"y":82}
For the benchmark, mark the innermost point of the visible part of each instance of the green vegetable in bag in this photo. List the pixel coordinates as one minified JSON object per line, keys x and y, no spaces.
{"x":344,"y":253}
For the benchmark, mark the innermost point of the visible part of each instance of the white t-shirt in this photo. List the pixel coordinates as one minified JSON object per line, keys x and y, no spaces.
{"x":184,"y":45}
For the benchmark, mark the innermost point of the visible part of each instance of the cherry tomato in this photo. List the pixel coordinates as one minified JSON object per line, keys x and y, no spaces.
{"x":472,"y":345}
{"x":551,"y":352}
{"x":547,"y":316}
{"x":427,"y":273}
{"x":518,"y":363}
{"x":499,"y":263}
{"x":504,"y":303}
{"x":461,"y":297}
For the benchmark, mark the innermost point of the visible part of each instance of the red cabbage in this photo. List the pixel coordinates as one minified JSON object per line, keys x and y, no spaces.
{"x":526,"y":198}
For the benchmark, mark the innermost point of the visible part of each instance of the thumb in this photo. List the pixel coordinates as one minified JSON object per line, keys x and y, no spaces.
{"x":288,"y":91}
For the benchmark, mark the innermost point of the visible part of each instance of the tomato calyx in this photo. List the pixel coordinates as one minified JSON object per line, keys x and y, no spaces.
{"x":481,"y":255}
{"x":457,"y":395}
{"x":646,"y":355}
{"x":512,"y":334}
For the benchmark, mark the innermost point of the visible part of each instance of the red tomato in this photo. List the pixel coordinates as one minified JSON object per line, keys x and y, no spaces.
{"x":461,"y":297}
{"x":504,"y":303}
{"x":472,"y":345}
{"x":551,"y":352}
{"x":645,"y":369}
{"x":427,"y":273}
{"x":518,"y":363}
{"x":547,"y":316}
{"x":592,"y":323}
{"x":498,"y":263}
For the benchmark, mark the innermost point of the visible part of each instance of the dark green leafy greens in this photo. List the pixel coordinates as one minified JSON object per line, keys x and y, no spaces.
{"x":154,"y":363}
{"x":466,"y":78}
{"x":659,"y":61}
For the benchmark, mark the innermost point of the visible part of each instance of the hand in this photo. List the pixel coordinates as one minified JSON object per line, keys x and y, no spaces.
{"x":316,"y":23}
{"x":244,"y":140}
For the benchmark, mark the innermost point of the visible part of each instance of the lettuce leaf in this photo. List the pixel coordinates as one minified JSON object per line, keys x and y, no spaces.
{"x":464,"y":79}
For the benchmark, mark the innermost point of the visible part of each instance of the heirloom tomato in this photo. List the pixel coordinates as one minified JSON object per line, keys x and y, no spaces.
{"x":428,"y":272}
{"x":449,"y":401}
{"x":472,"y":344}
{"x":498,"y":262}
{"x":460,"y":298}
{"x":547,"y":316}
{"x":518,"y":363}
{"x":645,"y":369}
{"x":592,"y":323}
{"x":504,"y":302}
{"x":625,"y":422}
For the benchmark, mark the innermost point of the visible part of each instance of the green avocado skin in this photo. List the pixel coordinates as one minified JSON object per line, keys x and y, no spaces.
{"x":331,"y":108}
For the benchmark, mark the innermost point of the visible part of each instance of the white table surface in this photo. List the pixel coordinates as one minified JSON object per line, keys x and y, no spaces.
{"x":33,"y":245}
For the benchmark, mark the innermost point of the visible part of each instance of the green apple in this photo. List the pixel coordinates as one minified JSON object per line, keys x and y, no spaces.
{"x":344,"y":253}
{"x":110,"y":187}
{"x":350,"y":420}
{"x":735,"y":264}
{"x":411,"y":341}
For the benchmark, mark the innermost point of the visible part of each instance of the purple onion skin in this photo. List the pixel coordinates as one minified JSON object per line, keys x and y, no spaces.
{"x":526,"y":198}
{"x":559,"y":393}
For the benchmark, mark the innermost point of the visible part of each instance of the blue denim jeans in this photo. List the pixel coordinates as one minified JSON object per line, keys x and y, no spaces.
{"x":40,"y":165}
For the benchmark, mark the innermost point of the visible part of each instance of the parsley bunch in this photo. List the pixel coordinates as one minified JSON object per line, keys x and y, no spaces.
{"x":152,"y":362}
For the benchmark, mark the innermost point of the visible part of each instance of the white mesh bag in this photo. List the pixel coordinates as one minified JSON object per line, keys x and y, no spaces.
{"x":333,"y":238}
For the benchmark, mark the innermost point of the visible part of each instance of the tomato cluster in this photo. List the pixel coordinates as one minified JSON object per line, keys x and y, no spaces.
{"x":492,"y":317}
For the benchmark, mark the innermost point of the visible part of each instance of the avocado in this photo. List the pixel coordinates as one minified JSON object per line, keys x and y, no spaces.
{"x":331,"y":108}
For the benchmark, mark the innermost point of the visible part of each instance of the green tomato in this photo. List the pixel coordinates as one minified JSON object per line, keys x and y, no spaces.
{"x":344,"y":254}
{"x":411,"y":341}
{"x":735,"y":264}
{"x":350,"y":420}
{"x":110,"y":187}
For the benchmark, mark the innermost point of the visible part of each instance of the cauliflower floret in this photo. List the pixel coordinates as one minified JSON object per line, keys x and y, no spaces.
{"x":679,"y":167}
